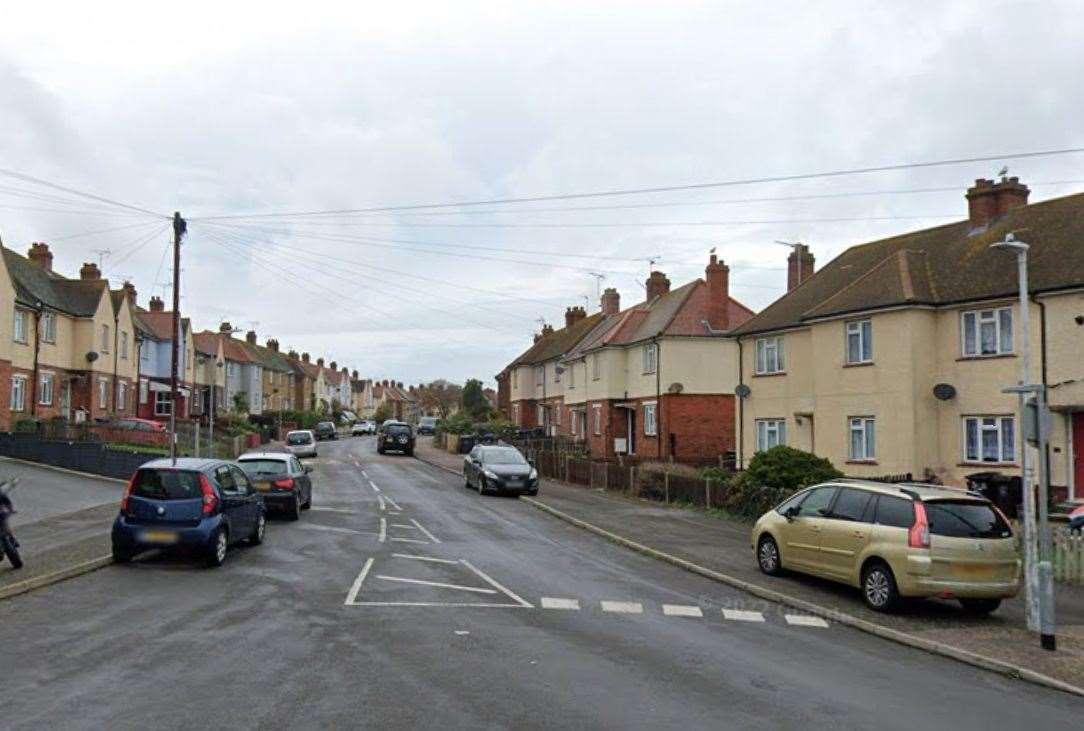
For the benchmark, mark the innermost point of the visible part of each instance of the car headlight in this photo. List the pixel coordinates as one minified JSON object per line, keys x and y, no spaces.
{"x":490,"y":475}
{"x":533,"y":475}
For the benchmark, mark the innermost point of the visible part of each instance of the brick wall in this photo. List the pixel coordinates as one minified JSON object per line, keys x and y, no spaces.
{"x":693,"y":427}
{"x":6,"y":422}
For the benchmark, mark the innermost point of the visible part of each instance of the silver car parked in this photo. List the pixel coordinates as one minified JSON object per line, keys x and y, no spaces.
{"x":301,"y":443}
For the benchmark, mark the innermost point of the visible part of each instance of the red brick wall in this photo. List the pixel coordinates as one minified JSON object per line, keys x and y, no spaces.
{"x":528,"y":413}
{"x":6,"y":422}
{"x":702,"y":425}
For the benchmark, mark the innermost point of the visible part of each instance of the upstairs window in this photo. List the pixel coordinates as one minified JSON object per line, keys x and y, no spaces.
{"x":19,"y":329}
{"x":539,"y":375}
{"x":571,"y":375}
{"x":651,"y":357}
{"x":859,"y":342}
{"x":105,"y":340}
{"x":769,"y":356}
{"x":596,"y":367}
{"x":48,"y":327}
{"x":124,"y":345}
{"x":987,"y":332}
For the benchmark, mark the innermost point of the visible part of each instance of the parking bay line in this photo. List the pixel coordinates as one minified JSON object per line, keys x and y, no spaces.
{"x":373,"y":485}
{"x":383,"y":530}
{"x":437,"y":584}
{"x":681,"y":610}
{"x":409,"y":540}
{"x":491,"y":582}
{"x":622,"y":607}
{"x":392,"y":503}
{"x":423,"y":558}
{"x":743,"y":615}
{"x":804,"y":620}
{"x":353,"y":594}
{"x":428,"y":535}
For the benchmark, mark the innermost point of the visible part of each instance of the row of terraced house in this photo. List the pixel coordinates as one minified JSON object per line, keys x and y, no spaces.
{"x":891,"y":359}
{"x":75,"y":349}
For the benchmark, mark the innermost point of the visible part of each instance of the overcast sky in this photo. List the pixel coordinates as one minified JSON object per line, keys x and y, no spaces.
{"x":218,"y":111}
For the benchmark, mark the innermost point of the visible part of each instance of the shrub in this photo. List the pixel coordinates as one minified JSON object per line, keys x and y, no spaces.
{"x":26,"y":426}
{"x":718,"y":474}
{"x":773,"y":476}
{"x":458,"y":423}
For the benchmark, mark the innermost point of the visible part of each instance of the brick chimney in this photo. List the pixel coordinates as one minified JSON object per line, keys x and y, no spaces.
{"x":89,"y":271}
{"x":987,"y":201}
{"x":292,"y":355}
{"x":611,"y":301}
{"x":537,"y":337}
{"x":320,"y":362}
{"x":547,"y":330}
{"x":224,"y":329}
{"x":334,"y":366}
{"x":304,"y":357}
{"x":354,"y":375}
{"x":799,"y":265}
{"x":657,"y":285}
{"x":157,"y":305}
{"x":717,"y":275}
{"x":250,"y":337}
{"x":273,"y":344}
{"x":40,"y":256}
{"x":574,"y":315}
{"x":384,"y":382}
{"x":130,"y":292}
{"x":399,"y":385}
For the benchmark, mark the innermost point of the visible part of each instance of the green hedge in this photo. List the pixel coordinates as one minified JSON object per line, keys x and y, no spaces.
{"x":774,"y":475}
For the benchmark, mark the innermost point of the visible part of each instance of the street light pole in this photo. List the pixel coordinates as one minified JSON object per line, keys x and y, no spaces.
{"x":179,"y":228}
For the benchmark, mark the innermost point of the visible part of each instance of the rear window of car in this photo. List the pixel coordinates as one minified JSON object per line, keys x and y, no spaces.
{"x":397,"y":429}
{"x":299,"y":438}
{"x":253,"y":467}
{"x":325,"y":425}
{"x":965,"y":519}
{"x":502,"y":456}
{"x":894,"y":511}
{"x":167,"y":485}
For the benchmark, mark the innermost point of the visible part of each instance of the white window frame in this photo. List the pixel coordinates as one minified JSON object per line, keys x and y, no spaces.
{"x":162,"y":407}
{"x":105,"y":338}
{"x":769,"y":356}
{"x":540,"y":415}
{"x":571,"y":375}
{"x":103,"y":393}
{"x":598,"y":419}
{"x":121,"y":395}
{"x":124,"y":344}
{"x":19,"y":326}
{"x":770,"y":433}
{"x":651,"y":358}
{"x":866,"y":427}
{"x":18,"y":393}
{"x":596,"y":366}
{"x":572,"y":421}
{"x":556,"y":373}
{"x":995,"y":317}
{"x":863,"y":330}
{"x":1000,"y":425}
{"x":143,"y":390}
{"x":46,"y":382}
{"x":557,"y":415}
{"x":48,"y":327}
{"x":540,"y":375}
{"x":651,"y":422}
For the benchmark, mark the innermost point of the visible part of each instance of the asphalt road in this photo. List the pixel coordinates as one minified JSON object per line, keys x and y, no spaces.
{"x":402,"y":600}
{"x":43,"y":492}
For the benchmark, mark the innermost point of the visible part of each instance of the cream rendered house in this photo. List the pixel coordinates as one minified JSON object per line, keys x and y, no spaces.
{"x":892,"y":358}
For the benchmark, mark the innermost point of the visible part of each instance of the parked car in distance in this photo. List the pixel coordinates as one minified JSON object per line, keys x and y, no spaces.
{"x":200,"y":505}
{"x":1076,"y":520}
{"x":427,"y":425}
{"x":282,"y":481}
{"x":893,"y":541}
{"x":326,"y":430}
{"x":363,"y":427}
{"x":499,"y":469}
{"x":141,"y":424}
{"x":301,"y":443}
{"x":395,"y":437}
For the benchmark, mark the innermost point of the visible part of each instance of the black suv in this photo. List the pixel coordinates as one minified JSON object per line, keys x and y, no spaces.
{"x":326,"y":430}
{"x":396,"y":437}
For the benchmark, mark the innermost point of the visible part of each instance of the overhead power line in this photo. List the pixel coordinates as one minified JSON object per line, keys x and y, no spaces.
{"x":72,"y":191}
{"x":675,"y":188}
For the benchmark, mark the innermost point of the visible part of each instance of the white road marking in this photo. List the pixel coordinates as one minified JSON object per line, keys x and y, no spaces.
{"x":365,"y":474}
{"x":330,"y":529}
{"x":423,"y":558}
{"x":373,"y":485}
{"x":383,"y":530}
{"x":491,"y":582}
{"x":403,"y":525}
{"x":393,"y":512}
{"x":380,"y":499}
{"x":428,"y":535}
{"x":344,"y":511}
{"x":804,"y":620}
{"x":353,"y":594}
{"x":623,"y":607}
{"x":437,"y":584}
{"x":462,"y":632}
{"x":681,"y":610}
{"x":551,"y":603}
{"x":485,"y":605}
{"x":743,"y":615}
{"x":392,"y":503}
{"x":410,"y":540}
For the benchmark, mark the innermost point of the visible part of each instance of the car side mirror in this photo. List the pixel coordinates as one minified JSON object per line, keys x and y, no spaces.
{"x":791,"y":513}
{"x":530,"y":461}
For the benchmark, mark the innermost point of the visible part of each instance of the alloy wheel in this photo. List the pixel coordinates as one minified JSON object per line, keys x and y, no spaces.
{"x":261,"y":526}
{"x":877,"y":588}
{"x":769,"y":556}
{"x":220,"y":546}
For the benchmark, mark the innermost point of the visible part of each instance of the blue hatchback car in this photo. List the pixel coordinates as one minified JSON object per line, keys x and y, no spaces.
{"x":199,"y":505}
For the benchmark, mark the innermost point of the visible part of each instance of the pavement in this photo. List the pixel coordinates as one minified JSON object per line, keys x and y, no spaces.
{"x":722,"y":546}
{"x":403,"y":600}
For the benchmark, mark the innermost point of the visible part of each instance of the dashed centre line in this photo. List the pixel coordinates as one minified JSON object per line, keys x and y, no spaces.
{"x":681,"y":610}
{"x":569,"y":604}
{"x":383,"y":530}
{"x":622,"y":607}
{"x":804,"y":620}
{"x":742,"y":615}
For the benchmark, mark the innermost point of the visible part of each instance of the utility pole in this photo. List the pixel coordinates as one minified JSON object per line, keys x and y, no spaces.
{"x":179,"y":229}
{"x":1038,"y":571}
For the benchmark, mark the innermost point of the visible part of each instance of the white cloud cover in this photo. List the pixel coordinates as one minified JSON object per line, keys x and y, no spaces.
{"x":220,"y":108}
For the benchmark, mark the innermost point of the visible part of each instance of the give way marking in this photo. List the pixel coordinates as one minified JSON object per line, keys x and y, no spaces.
{"x":492,"y":588}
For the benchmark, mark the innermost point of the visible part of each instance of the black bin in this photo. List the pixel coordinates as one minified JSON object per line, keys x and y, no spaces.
{"x":466,"y":442}
{"x":1004,"y":491}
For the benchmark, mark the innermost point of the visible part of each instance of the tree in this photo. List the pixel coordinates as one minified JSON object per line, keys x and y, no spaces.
{"x":475,"y":403}
{"x":440,"y":396}
{"x":383,"y":413}
{"x":240,"y":402}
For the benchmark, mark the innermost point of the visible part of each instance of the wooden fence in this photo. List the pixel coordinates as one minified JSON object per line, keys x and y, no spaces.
{"x":634,"y":481}
{"x":1068,"y":556}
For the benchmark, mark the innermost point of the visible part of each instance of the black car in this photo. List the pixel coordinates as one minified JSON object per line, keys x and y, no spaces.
{"x":395,"y":437}
{"x":427,"y":425}
{"x":500,"y":469}
{"x":326,"y":430}
{"x":282,"y":480}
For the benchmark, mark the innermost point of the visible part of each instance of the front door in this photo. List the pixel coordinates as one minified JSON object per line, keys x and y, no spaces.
{"x":1078,"y":455}
{"x":631,"y":446}
{"x":66,"y":400}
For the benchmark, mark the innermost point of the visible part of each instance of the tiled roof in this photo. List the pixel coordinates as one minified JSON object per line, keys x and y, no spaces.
{"x":232,"y":349}
{"x":941,"y":265}
{"x":266,"y":357}
{"x":206,"y":342}
{"x":558,"y":342}
{"x":308,"y":370}
{"x":32,"y":285}
{"x":158,"y":324}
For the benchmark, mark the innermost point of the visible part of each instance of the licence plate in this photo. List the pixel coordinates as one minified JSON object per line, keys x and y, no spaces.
{"x":975,"y":571}
{"x":159,"y":536}
{"x":263,"y":486}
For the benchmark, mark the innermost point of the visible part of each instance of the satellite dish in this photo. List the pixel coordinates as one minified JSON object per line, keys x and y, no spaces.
{"x":92,"y":356}
{"x":742,"y":391}
{"x":944,"y":391}
{"x":676,"y":387}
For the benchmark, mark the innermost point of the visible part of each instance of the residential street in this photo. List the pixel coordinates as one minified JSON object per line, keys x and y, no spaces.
{"x":404,"y":600}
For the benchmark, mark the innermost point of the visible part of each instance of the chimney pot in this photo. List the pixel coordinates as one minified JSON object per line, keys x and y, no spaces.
{"x":334,"y":366}
{"x":717,"y":275}
{"x":156,"y":304}
{"x":273,"y":344}
{"x":130,"y":292}
{"x":40,"y":256}
{"x":800,"y":265}
{"x":574,"y":315}
{"x":355,"y":375}
{"x":304,"y":357}
{"x":611,"y":301}
{"x":225,"y":328}
{"x":89,"y":271}
{"x":292,"y":354}
{"x":987,"y":201}
{"x":250,"y":337}
{"x":320,"y":362}
{"x":657,"y":285}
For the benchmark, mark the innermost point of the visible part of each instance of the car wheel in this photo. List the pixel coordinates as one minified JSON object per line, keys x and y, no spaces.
{"x":308,"y":502}
{"x":11,"y":550}
{"x":257,"y":533}
{"x":482,"y":485}
{"x":980,"y":607}
{"x":216,"y":552}
{"x":466,"y":480}
{"x":120,"y":555}
{"x":879,"y":587}
{"x":294,"y":513}
{"x":768,"y":556}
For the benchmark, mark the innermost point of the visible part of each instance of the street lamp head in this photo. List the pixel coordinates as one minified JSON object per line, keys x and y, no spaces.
{"x":1010,"y":244}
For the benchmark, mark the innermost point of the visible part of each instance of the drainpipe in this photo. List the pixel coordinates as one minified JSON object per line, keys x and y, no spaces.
{"x":659,"y":431}
{"x":37,"y":349}
{"x":116,"y":355}
{"x":1042,"y":369}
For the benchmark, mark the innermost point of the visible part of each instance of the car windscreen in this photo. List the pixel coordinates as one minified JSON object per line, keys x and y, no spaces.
{"x":299,"y":438}
{"x":253,"y":467}
{"x":397,"y":429}
{"x":167,"y":485}
{"x":325,"y":425}
{"x":965,"y":519}
{"x":502,"y":456}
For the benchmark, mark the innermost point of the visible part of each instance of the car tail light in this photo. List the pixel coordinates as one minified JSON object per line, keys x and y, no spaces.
{"x":127,"y":493}
{"x":285,"y":483}
{"x":919,"y":535}
{"x":210,"y":500}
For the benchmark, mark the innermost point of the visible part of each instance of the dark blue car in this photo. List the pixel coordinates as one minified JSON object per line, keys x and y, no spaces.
{"x":1076,"y":520}
{"x":199,"y":505}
